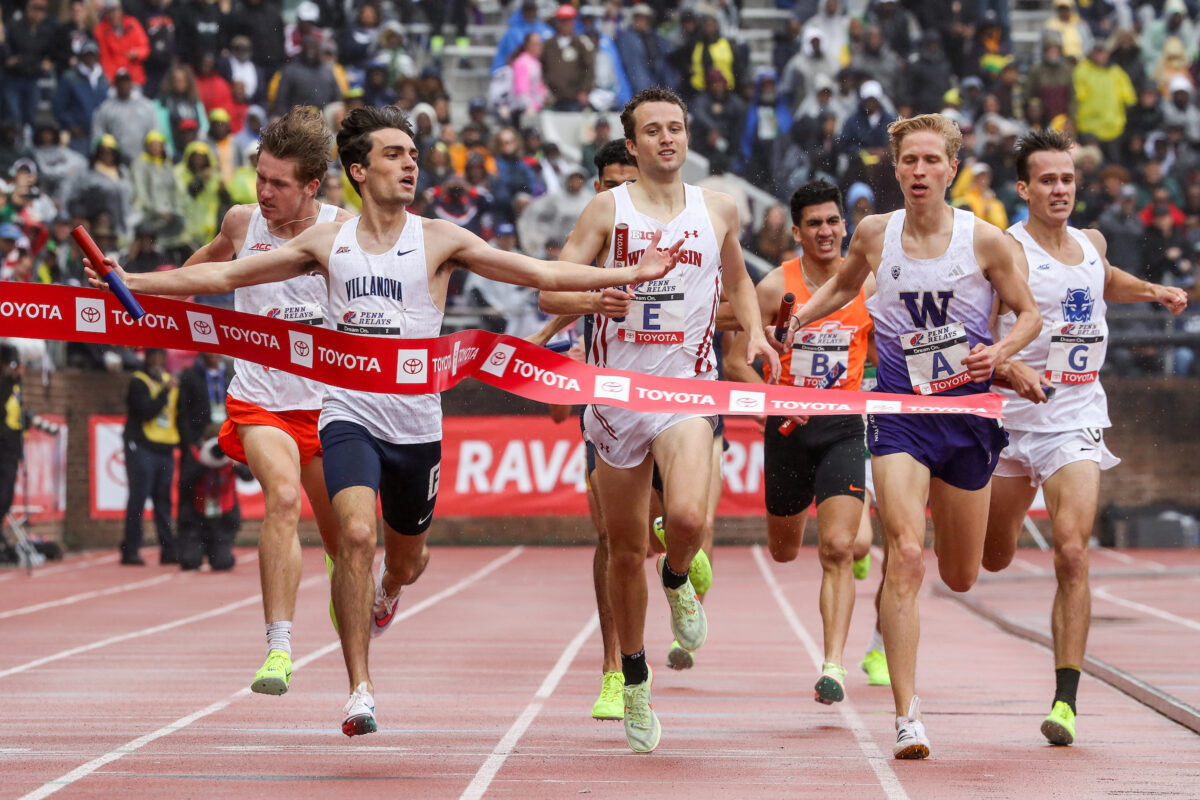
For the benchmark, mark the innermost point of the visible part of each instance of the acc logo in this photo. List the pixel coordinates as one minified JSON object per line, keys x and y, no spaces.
{"x":89,"y":315}
{"x":260,"y":247}
{"x":301,"y":350}
{"x":202,"y":328}
{"x":916,"y":340}
{"x":412,"y":366}
{"x":341,"y":250}
{"x":1043,"y":267}
{"x":612,"y":387}
{"x":497,"y":361}
{"x":755,"y":402}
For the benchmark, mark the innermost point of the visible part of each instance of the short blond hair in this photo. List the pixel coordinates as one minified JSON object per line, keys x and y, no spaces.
{"x":937,"y":123}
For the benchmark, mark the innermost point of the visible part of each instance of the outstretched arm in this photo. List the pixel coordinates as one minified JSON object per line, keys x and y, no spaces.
{"x":849,"y":278}
{"x":1121,"y":287}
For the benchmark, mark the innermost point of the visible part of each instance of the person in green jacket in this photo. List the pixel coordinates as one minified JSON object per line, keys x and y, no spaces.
{"x":199,"y":191}
{"x":1103,"y":92}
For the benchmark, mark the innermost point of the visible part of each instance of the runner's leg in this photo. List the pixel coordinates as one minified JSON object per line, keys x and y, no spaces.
{"x":1010,"y":502}
{"x":274,"y":459}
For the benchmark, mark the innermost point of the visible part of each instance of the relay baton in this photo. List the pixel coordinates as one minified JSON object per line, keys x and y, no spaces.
{"x":89,"y":248}
{"x":621,"y":245}
{"x":827,"y":382}
{"x":784,"y":316}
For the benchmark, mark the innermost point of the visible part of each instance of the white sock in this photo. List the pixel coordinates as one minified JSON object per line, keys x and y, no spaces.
{"x":876,"y":642}
{"x":279,"y":636}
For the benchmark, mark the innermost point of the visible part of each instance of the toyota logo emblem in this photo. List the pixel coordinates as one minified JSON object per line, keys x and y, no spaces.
{"x":90,"y":314}
{"x":301,"y":349}
{"x":611,"y":386}
{"x":413,"y":365}
{"x":202,"y":327}
{"x":747,"y":402}
{"x":499,"y":358}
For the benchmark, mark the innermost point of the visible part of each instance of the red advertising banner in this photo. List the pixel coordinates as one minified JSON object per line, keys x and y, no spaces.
{"x":41,"y":487}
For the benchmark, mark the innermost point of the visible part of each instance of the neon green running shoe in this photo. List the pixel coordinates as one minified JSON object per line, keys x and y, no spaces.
{"x":642,"y":730}
{"x":831,"y":686}
{"x":1059,"y":726}
{"x":874,"y":663}
{"x":611,"y":702}
{"x":332,"y":613}
{"x":861,"y":567}
{"x":679,"y":657}
{"x":700,"y":572}
{"x":275,"y":675}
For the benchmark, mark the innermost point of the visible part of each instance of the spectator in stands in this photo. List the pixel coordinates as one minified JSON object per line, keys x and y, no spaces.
{"x":75,"y":30}
{"x":123,"y":44}
{"x":79,"y":93}
{"x":523,"y":22}
{"x":359,"y":41}
{"x":806,"y":69}
{"x":492,"y":195}
{"x":568,"y":63}
{"x":377,"y":90}
{"x":513,"y":172}
{"x":1123,"y":230}
{"x":973,"y":191}
{"x":151,"y":435}
{"x":529,"y":87}
{"x":1127,"y":54}
{"x":555,"y":212}
{"x":834,"y":24}
{"x":306,"y":81}
{"x":713,"y":51}
{"x":610,"y":91}
{"x":785,"y":43}
{"x":103,"y":187}
{"x":261,"y":22}
{"x":773,"y":241}
{"x":143,"y":253}
{"x":455,"y":202}
{"x":155,"y":193}
{"x":29,"y":45}
{"x":719,"y":117}
{"x":898,"y":26}
{"x":211,"y":88}
{"x":601,"y":133}
{"x":765,"y":134}
{"x":470,"y":143}
{"x":1174,"y":64}
{"x":158,"y":18}
{"x":126,"y":115}
{"x":860,"y":203}
{"x":56,"y":162}
{"x":203,"y":28}
{"x":1074,"y":35}
{"x":1102,"y":94}
{"x":1174,"y":24}
{"x":199,"y":194}
{"x":644,"y":51}
{"x":1163,"y":247}
{"x":1178,"y":108}
{"x":178,"y":101}
{"x":238,"y":67}
{"x":879,"y":61}
{"x":1050,"y":79}
{"x":866,"y":128}
{"x":436,"y":168}
{"x":229,"y":157}
{"x":936,"y":75}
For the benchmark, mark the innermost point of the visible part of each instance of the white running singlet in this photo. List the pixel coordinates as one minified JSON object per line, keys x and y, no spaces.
{"x":385,"y":295}
{"x":930,"y":312}
{"x":1072,"y":344}
{"x":300,"y":299}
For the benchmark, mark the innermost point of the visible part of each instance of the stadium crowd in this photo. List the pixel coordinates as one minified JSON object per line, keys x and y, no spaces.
{"x":139,"y":119}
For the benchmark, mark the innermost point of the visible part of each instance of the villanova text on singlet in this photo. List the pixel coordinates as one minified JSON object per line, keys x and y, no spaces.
{"x":384,"y":295}
{"x":301,"y":299}
{"x":929,"y":313}
{"x":1072,"y":344}
{"x":669,"y":328}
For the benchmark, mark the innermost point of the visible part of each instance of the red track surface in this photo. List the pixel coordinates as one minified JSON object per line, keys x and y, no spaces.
{"x":120,"y":681}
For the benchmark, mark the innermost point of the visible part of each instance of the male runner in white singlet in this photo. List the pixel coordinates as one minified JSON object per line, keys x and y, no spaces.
{"x":387,"y":272}
{"x":1058,"y":443}
{"x":271,"y":424}
{"x":668,"y":332}
{"x":937,"y":271}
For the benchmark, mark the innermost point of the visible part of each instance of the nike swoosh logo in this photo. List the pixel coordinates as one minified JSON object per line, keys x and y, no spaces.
{"x":1086,"y":449}
{"x":425,"y":518}
{"x":854,"y":488}
{"x":404,"y":252}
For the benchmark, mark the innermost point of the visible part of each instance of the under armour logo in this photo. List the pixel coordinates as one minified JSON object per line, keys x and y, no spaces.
{"x":690,"y":234}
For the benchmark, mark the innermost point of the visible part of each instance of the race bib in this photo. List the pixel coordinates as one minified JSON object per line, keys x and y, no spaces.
{"x":814,"y":354}
{"x":371,"y":323}
{"x":1076,"y":352}
{"x":303,"y":313}
{"x":935,"y":358}
{"x":655,"y":315}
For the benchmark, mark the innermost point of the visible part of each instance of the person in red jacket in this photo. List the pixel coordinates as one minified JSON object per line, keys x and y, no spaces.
{"x":123,"y":43}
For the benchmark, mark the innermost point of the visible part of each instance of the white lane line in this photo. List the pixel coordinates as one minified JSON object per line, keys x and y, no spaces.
{"x":1125,"y":558}
{"x":166,"y":626}
{"x":82,"y":562}
{"x":78,"y":598}
{"x":1105,"y":594}
{"x":82,"y":771}
{"x":504,"y":748}
{"x":880,"y":763}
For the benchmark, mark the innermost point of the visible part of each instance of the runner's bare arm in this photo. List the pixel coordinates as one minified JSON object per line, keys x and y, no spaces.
{"x":849,"y":278}
{"x":997,"y":258}
{"x":228,"y":240}
{"x":1022,"y":378}
{"x":307,"y":252}
{"x":1121,"y":287}
{"x":587,"y":244}
{"x":550,"y":329}
{"x":459,"y":244}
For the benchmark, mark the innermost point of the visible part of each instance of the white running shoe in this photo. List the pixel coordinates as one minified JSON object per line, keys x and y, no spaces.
{"x":384,"y":609}
{"x":360,"y":713}
{"x":642,"y":730}
{"x":689,"y":625}
{"x":911,"y":741}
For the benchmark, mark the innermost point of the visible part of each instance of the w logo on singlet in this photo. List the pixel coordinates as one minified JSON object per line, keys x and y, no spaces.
{"x":929,"y":314}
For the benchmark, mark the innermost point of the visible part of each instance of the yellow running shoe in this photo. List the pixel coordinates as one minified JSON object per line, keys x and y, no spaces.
{"x":642,"y":730}
{"x":1059,"y":726}
{"x":700,"y":572}
{"x":332,"y":613}
{"x":275,"y":675}
{"x":861,"y":567}
{"x":611,"y":702}
{"x":874,"y":663}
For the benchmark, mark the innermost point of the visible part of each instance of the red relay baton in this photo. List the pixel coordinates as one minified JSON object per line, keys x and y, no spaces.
{"x":621,"y":245}
{"x":118,"y":287}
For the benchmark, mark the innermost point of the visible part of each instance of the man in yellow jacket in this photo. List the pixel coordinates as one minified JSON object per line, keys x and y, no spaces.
{"x":151,"y":436}
{"x":1103,"y":91}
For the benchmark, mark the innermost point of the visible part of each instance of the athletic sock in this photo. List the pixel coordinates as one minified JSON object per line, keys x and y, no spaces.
{"x":279,"y":636}
{"x":670,"y":578}
{"x":1066,"y":684}
{"x":876,"y":642}
{"x":635,"y":668}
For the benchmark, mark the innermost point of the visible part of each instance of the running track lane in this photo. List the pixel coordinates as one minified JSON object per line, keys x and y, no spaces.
{"x":454,"y":681}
